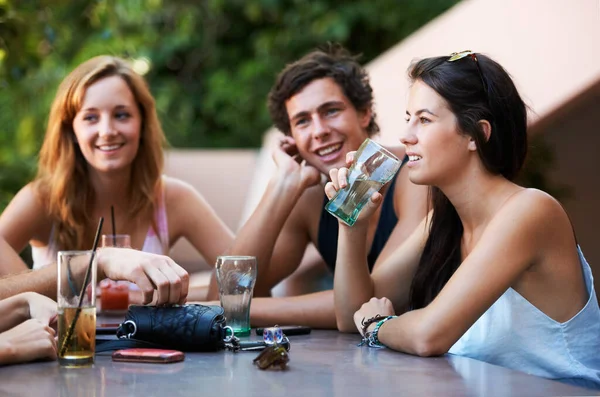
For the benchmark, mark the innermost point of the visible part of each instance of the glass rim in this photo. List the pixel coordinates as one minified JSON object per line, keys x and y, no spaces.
{"x":381,"y":148}
{"x":236,"y":257}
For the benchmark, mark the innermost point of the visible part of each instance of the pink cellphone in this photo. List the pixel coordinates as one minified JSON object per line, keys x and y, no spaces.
{"x":158,"y":356}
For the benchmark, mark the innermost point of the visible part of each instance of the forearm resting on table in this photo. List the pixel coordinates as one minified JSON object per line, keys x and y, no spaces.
{"x":42,"y":281}
{"x":314,"y":310}
{"x":411,"y":333}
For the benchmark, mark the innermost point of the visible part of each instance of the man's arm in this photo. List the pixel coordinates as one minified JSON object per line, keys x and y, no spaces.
{"x":311,"y":275}
{"x":262,"y":232}
{"x":270,"y":232}
{"x":315,"y":310}
{"x":259,"y":235}
{"x":42,"y":281}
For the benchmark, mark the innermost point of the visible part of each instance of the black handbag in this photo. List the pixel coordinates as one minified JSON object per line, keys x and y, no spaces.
{"x":189,"y":328}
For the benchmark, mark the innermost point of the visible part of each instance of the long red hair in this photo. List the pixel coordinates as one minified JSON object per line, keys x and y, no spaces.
{"x":62,"y":180}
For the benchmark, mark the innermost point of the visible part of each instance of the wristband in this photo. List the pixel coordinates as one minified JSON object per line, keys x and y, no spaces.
{"x":371,"y":339}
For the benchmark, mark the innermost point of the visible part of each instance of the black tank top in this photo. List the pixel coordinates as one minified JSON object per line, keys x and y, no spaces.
{"x":327,"y":238}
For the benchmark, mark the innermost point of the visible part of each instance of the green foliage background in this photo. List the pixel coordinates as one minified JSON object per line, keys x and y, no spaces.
{"x":212,"y":61}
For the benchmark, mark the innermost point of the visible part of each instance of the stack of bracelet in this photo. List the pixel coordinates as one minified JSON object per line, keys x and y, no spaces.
{"x":370,"y":338}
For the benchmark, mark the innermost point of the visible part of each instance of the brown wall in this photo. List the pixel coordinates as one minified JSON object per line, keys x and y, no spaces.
{"x":575,"y":138}
{"x":524,"y":36}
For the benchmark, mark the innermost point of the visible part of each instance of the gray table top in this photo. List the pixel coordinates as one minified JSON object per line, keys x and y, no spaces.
{"x":324,"y":363}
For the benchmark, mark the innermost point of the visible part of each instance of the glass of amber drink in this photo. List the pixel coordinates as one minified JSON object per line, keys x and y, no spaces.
{"x":76,"y":308}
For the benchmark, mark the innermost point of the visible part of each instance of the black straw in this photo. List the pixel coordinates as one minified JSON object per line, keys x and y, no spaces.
{"x":114,"y":228}
{"x":86,"y":280}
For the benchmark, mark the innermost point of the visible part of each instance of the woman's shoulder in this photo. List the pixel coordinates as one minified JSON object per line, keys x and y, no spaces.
{"x":534,"y":200}
{"x":534,"y":210}
{"x":32,"y":189}
{"x":30,"y":197}
{"x":27,"y":213}
{"x":180,"y":196}
{"x":176,"y":189}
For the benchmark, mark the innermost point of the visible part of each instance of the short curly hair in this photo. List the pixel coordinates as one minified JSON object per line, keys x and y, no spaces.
{"x":334,"y":62}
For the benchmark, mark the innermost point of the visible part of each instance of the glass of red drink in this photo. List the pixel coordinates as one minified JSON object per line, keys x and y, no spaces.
{"x":114,"y":295}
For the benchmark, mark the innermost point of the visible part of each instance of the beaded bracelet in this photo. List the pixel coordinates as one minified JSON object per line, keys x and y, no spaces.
{"x":371,"y":338}
{"x":366,"y":322}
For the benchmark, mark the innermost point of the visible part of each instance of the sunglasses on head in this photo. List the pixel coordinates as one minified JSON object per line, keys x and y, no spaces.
{"x":455,"y":56}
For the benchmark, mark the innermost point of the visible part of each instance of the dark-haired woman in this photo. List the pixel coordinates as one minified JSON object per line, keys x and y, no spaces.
{"x":494,"y":272}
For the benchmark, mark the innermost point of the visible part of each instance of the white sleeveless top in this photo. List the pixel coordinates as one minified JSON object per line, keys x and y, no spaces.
{"x":515,"y":334}
{"x":153,"y":243}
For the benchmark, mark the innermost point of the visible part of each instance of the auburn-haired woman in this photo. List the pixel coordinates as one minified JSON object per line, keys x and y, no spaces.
{"x":104,"y":147}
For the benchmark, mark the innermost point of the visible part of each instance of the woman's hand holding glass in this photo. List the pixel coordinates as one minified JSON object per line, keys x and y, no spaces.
{"x":339,"y":180}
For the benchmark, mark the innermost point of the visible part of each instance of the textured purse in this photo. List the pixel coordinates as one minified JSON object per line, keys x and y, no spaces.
{"x":191,"y":328}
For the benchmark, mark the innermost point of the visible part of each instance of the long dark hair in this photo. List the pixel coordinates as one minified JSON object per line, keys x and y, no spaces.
{"x":475,"y":88}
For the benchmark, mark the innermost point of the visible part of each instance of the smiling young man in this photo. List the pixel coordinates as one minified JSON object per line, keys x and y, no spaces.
{"x":323,"y":103}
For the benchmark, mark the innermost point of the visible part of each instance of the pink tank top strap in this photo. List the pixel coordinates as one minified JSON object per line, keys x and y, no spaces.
{"x":44,"y":256}
{"x":161,"y":221}
{"x":157,"y":241}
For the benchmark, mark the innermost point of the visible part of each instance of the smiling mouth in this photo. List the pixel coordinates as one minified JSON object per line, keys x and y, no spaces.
{"x":329,"y":149}
{"x":109,"y":148}
{"x":414,"y":158}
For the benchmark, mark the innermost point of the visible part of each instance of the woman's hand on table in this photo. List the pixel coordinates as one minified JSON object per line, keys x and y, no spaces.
{"x":42,"y":308}
{"x":374,"y":307}
{"x":28,"y":341}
